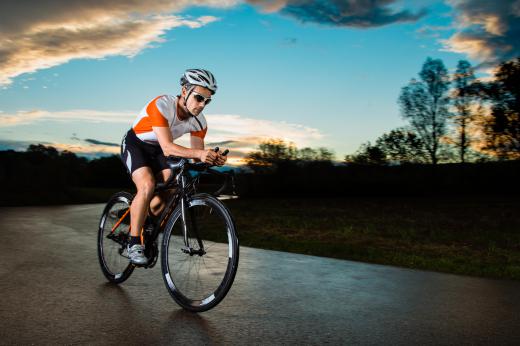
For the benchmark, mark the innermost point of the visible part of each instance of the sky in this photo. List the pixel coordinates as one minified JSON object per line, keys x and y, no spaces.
{"x":327,"y":73}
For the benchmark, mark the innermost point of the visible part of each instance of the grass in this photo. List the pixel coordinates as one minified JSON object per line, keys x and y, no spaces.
{"x":470,"y":235}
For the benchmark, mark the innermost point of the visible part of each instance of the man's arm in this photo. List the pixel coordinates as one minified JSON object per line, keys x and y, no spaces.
{"x":169,"y":148}
{"x":197,"y":143}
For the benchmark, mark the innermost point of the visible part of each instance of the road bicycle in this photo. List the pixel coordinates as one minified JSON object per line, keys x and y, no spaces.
{"x":198,"y":237}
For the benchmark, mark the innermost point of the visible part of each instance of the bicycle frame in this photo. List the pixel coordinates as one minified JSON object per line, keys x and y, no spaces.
{"x":184,"y":187}
{"x":179,"y":197}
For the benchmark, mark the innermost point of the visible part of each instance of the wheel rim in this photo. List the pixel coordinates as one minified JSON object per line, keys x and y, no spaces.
{"x":113,"y":261}
{"x":197,"y":280}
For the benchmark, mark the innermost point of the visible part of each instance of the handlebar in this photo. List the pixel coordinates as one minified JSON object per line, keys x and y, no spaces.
{"x":178,"y":165}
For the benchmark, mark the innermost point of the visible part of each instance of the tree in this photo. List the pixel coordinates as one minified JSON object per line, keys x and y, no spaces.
{"x":309,"y":154}
{"x":464,"y":99}
{"x":502,"y":128}
{"x":324,"y":154}
{"x":367,"y":154}
{"x":403,"y":146}
{"x":276,"y":154}
{"x":424,"y":103}
{"x":40,"y":152}
{"x":400,"y":145}
{"x":270,"y":155}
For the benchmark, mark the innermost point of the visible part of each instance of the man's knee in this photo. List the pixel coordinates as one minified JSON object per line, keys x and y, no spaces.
{"x":145,"y":184}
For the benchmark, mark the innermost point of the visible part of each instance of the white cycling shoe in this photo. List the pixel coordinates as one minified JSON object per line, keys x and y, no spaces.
{"x":136,"y":255}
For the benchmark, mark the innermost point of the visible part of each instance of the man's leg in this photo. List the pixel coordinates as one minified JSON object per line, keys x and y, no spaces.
{"x":157,"y":204}
{"x":145,"y":184}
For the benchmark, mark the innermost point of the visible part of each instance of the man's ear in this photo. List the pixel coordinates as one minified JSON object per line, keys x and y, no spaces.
{"x":183,"y":92}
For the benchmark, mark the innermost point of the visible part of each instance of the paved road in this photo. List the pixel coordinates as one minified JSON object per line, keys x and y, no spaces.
{"x":52,"y":291}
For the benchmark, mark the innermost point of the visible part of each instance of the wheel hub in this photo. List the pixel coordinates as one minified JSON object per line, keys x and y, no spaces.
{"x":191,"y":251}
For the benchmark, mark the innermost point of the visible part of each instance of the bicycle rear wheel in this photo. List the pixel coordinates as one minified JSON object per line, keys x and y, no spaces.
{"x":199,"y":276}
{"x":113,"y":237}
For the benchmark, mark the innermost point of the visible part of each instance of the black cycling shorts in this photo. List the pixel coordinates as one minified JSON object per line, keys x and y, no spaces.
{"x":136,"y":154}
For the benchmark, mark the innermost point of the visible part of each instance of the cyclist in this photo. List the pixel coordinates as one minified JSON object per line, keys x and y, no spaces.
{"x":152,"y":138}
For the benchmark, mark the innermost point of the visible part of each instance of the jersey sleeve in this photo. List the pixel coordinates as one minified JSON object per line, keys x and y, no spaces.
{"x":156,"y":111}
{"x":200,"y":134}
{"x":199,"y":126}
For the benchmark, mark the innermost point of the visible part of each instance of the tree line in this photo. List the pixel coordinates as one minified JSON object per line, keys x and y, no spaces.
{"x":452,"y":118}
{"x":43,"y":175}
{"x":279,"y":169}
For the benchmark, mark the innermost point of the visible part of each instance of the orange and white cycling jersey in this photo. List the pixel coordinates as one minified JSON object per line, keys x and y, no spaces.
{"x":162,"y":112}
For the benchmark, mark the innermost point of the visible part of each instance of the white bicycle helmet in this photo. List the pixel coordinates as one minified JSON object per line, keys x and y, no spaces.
{"x":200,"y":77}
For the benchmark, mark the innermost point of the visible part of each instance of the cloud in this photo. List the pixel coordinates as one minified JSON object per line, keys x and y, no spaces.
{"x":238,"y":133}
{"x":96,"y":142}
{"x":17,"y":145}
{"x":248,"y":130}
{"x":222,"y":127}
{"x":488,"y":31}
{"x":90,"y":150}
{"x":242,"y":135}
{"x":45,"y":33}
{"x":225,"y":127}
{"x":344,"y":13}
{"x":89,"y":115}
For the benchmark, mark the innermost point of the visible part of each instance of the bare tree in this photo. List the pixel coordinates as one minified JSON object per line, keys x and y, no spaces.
{"x":502,"y":130}
{"x":464,"y":99}
{"x":424,"y":103}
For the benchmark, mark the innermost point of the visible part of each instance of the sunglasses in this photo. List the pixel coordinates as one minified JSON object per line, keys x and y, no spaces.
{"x":201,"y":98}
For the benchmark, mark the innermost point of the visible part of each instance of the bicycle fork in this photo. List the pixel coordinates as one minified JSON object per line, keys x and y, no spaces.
{"x":193,"y":229}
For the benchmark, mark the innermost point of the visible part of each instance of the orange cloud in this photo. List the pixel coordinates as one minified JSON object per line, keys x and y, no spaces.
{"x":487,"y":31}
{"x":93,"y":149}
{"x":45,"y":33}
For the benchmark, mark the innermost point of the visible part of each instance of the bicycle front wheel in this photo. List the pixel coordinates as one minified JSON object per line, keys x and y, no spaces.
{"x":198,"y":274}
{"x":113,"y":236}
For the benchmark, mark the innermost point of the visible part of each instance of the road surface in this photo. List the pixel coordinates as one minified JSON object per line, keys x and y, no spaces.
{"x":52,"y":291}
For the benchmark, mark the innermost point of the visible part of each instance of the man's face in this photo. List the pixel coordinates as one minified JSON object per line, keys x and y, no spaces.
{"x":197,"y":100}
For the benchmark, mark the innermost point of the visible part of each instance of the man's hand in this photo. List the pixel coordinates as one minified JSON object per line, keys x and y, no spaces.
{"x":221,"y":159}
{"x":208,"y":156}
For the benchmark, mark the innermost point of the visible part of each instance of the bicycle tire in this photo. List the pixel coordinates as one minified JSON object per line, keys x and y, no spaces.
{"x":116,"y":267}
{"x":199,"y":282}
